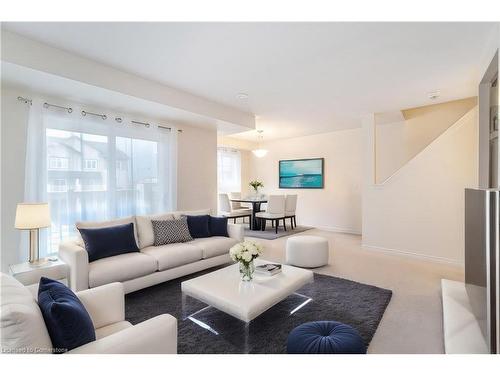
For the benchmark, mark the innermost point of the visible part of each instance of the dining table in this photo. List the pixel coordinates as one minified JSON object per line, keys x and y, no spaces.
{"x":256,"y":203}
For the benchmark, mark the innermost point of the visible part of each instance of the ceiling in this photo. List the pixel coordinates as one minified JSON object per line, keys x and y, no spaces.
{"x":68,"y":92}
{"x":301,"y":78}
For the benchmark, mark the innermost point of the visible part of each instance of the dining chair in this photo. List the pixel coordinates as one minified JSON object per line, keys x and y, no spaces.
{"x":290,"y":208}
{"x":226,"y":210}
{"x":236,"y":205}
{"x":275,"y":212}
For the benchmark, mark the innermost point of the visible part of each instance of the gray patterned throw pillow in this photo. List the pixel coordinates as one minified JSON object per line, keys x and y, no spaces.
{"x":171,"y":231}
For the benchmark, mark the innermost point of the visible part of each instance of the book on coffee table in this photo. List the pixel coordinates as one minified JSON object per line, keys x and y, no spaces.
{"x":269,"y":269}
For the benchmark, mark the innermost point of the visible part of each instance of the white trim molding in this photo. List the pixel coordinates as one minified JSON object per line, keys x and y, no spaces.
{"x":411,"y":254}
{"x":333,"y":229}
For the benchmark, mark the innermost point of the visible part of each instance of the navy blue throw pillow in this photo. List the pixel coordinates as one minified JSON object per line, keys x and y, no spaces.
{"x":199,"y":226}
{"x":68,"y":322}
{"x":218,"y":226}
{"x":109,"y":241}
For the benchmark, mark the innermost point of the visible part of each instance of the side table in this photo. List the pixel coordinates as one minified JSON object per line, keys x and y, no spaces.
{"x":30,"y":275}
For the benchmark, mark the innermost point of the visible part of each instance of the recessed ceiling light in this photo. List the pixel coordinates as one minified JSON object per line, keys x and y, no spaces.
{"x":242,"y":96}
{"x":433,"y":95}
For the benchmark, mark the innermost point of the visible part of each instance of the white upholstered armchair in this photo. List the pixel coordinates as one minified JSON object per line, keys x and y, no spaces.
{"x":23,"y":329}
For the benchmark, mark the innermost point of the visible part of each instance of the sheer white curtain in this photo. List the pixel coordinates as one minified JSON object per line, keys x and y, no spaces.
{"x":228,"y":170}
{"x":89,"y":168}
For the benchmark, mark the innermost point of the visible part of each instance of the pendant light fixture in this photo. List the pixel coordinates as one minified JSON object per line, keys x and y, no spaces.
{"x":260,"y":152}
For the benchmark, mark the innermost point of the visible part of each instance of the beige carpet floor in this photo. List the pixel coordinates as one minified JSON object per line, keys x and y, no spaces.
{"x":412,"y":322}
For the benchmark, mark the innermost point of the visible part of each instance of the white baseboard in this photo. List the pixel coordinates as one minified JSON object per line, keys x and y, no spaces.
{"x":386,"y":250}
{"x":333,"y":229}
{"x":414,"y":255}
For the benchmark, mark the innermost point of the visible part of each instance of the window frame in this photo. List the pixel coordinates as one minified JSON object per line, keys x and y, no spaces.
{"x":235,"y":156}
{"x":58,"y":160}
{"x":87,"y":168}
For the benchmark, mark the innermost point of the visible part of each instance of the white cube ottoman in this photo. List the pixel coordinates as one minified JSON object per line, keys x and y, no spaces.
{"x":307,"y":251}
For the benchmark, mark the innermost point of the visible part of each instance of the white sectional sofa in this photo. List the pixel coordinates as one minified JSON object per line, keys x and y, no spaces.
{"x":24,"y":331}
{"x":153,"y":264}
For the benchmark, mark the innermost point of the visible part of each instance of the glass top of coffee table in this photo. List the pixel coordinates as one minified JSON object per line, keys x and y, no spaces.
{"x":245,"y":300}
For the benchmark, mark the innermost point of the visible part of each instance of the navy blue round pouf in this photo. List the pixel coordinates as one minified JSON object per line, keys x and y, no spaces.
{"x":327,"y":337}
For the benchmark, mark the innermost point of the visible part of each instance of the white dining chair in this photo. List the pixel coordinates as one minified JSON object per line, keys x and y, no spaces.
{"x":236,"y":205}
{"x":227,"y":210}
{"x":290,"y":208}
{"x":275,"y":212}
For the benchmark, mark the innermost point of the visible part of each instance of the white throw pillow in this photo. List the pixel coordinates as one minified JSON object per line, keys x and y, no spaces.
{"x":22,"y":325}
{"x":145,"y":233}
{"x":179,"y":214}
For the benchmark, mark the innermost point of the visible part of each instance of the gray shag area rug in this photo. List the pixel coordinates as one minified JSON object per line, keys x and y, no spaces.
{"x":359,"y":305}
{"x":270,"y":233}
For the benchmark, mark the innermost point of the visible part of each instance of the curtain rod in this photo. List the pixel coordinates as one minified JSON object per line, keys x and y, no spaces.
{"x":146,"y":124}
{"x":169,"y":128}
{"x":68,"y":109}
{"x":85,"y":113}
{"x":228,"y":148}
{"x":25,"y":100}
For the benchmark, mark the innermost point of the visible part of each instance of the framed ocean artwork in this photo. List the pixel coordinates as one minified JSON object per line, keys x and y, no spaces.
{"x":301,"y":173}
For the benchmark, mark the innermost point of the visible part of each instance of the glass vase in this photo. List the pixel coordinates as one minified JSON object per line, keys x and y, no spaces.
{"x":246,"y":270}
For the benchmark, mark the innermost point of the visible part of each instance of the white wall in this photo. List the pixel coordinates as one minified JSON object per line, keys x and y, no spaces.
{"x":196,"y":170}
{"x":420,"y":210}
{"x":247,"y":171}
{"x":338,"y":205}
{"x":397,"y":143}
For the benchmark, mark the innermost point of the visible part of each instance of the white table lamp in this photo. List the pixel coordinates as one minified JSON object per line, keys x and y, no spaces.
{"x":32,"y":217}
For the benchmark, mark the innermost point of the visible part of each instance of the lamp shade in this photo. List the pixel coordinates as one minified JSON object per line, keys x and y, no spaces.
{"x":260,"y":153}
{"x":32,"y":215}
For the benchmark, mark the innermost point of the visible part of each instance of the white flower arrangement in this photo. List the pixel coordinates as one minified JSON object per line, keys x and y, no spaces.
{"x":245,"y":251}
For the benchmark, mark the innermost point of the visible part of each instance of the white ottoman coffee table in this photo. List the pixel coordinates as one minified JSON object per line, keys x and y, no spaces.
{"x":307,"y":251}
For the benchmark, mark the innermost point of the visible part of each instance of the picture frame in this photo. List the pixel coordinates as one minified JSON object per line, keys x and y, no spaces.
{"x":301,"y":173}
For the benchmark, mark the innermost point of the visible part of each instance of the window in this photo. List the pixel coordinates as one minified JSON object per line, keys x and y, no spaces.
{"x":121,"y":165}
{"x":58,"y":186}
{"x":58,"y":162}
{"x":100,"y":193}
{"x":137,"y":187}
{"x":96,"y":171}
{"x":86,"y":188}
{"x":228,"y":170}
{"x":90,"y":164}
